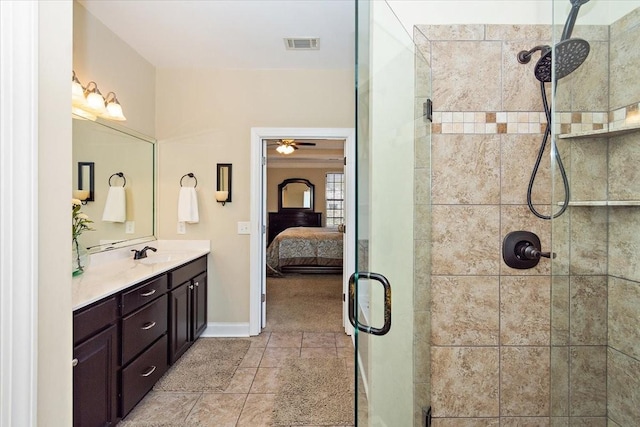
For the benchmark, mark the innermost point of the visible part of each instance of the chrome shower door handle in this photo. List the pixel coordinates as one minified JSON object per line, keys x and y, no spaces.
{"x":387,"y":303}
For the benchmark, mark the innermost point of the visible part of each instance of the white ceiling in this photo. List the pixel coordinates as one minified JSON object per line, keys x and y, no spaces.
{"x":232,"y":34}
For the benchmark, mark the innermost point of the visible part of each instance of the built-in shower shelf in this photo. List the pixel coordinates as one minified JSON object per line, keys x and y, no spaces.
{"x":603,"y":203}
{"x":602,"y":133}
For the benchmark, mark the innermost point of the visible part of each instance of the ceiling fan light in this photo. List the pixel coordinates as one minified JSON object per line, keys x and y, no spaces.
{"x":285,"y":149}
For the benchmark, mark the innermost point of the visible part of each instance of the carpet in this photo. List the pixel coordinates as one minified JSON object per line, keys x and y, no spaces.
{"x":304,"y":302}
{"x":314,"y":391}
{"x":207,"y":366}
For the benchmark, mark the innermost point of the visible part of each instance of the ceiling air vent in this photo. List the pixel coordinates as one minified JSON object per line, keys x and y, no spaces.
{"x":306,"y":43}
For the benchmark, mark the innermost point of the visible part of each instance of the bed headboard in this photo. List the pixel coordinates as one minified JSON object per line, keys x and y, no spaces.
{"x":279,"y":221}
{"x":295,"y":207}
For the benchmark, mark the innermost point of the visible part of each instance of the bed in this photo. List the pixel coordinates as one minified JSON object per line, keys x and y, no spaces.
{"x":297,"y":242}
{"x":306,"y":250}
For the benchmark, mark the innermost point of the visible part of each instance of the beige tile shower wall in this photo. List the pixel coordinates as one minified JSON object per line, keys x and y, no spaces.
{"x":623,"y":366}
{"x":488,"y":321}
{"x":625,"y":57}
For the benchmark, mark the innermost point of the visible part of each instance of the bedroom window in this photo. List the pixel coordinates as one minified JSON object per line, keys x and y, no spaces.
{"x":334,"y":196}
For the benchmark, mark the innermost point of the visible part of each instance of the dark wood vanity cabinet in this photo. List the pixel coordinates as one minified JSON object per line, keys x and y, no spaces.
{"x":187,"y":305}
{"x":124,"y":343}
{"x":95,"y":365}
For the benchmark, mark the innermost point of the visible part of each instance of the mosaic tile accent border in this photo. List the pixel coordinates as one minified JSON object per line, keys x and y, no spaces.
{"x":531,"y":122}
{"x":481,"y":122}
{"x":625,"y":116}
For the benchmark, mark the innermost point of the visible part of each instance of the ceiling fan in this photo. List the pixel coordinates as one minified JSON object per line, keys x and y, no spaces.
{"x":288,"y":146}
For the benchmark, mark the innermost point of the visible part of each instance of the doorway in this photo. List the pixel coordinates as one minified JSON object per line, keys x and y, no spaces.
{"x":258,"y":275}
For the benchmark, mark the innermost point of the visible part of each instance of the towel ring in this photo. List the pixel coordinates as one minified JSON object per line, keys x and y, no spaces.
{"x":190,"y":175}
{"x":121,"y":175}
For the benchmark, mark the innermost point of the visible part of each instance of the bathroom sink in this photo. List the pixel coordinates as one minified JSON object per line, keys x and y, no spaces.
{"x":162,"y":257}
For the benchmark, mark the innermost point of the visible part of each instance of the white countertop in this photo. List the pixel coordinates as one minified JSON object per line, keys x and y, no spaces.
{"x":112,"y":271}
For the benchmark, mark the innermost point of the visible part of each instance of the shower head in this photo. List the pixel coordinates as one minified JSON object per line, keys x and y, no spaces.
{"x":569,"y":55}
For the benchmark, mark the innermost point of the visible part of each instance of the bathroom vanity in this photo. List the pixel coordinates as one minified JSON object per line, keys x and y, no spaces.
{"x":132,"y":319}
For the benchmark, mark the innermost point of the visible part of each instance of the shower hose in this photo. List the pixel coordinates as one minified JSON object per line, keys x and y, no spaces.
{"x":556,"y":154}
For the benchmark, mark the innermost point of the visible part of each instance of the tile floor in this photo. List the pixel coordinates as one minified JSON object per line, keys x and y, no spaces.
{"x":250,"y":397}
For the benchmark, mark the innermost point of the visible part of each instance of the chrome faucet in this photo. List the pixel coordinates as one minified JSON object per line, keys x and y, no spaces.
{"x":142,"y":253}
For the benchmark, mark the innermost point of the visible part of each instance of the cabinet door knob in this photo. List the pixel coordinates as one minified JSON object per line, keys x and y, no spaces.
{"x":148,"y":372}
{"x":191,"y":287}
{"x":148,"y":326}
{"x":74,"y":362}
{"x":197,"y":283}
{"x":148,"y":294}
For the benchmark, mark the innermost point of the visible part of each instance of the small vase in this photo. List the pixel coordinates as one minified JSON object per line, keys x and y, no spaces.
{"x":79,"y":258}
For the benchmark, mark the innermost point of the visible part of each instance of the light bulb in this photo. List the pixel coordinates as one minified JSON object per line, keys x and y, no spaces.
{"x":114,"y":111}
{"x":95,"y":101}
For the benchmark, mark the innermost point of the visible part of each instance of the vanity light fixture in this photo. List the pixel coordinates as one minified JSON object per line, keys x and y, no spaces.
{"x":222,"y":196}
{"x":95,"y":100}
{"x":114,"y":109}
{"x":87,"y":102}
{"x":86,"y":183}
{"x":81,"y":195}
{"x":223,"y":187}
{"x":77,"y":91}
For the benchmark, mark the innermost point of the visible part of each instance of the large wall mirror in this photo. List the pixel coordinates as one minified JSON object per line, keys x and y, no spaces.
{"x":295,"y":193}
{"x":111,"y":150}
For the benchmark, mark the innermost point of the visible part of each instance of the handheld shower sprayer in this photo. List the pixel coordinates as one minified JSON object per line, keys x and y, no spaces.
{"x":560,"y":61}
{"x":571,"y":19}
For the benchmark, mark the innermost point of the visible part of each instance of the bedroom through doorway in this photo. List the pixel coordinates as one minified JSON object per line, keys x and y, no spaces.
{"x":298,"y":280}
{"x":305,"y":204}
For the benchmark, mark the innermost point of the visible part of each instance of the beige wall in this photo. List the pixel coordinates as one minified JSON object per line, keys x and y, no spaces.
{"x":317,"y":176}
{"x":54,"y":345}
{"x":204,"y":117}
{"x":101,"y":56}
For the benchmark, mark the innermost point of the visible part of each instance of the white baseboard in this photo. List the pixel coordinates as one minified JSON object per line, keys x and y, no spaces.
{"x":226,"y":329}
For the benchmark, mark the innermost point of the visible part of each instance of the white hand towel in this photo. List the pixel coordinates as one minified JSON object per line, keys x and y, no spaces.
{"x":115,"y":208}
{"x":188,"y":205}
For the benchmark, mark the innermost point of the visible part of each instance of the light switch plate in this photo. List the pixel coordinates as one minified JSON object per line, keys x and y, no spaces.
{"x":129,"y":227}
{"x":244,"y":227}
{"x":182,"y":228}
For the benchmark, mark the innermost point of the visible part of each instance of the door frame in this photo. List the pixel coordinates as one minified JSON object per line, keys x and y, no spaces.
{"x":257,"y":256}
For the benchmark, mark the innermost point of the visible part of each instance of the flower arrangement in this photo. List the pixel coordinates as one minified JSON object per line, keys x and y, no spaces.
{"x":80,"y":222}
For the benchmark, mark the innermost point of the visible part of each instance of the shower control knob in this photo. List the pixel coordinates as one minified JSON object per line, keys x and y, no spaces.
{"x":525,"y":250}
{"x":521,"y":250}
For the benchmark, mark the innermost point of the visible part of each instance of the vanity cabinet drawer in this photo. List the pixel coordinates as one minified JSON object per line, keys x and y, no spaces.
{"x":88,"y":321}
{"x":143,"y":327}
{"x":144,"y":293}
{"x":142,"y":374}
{"x":188,"y":271}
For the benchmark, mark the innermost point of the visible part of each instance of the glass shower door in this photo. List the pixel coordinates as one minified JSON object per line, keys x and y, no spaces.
{"x":381,"y":291}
